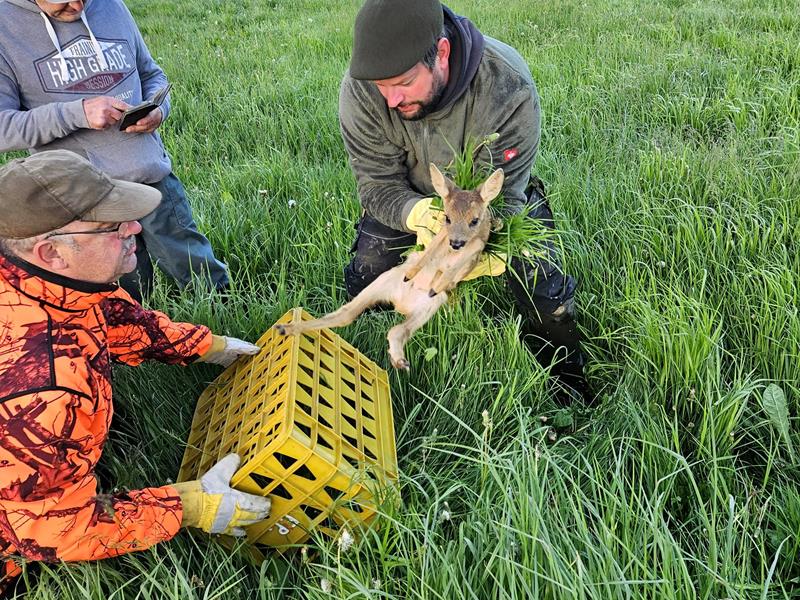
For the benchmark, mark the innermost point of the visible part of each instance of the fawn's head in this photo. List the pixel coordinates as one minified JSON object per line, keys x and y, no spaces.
{"x":466,"y":211}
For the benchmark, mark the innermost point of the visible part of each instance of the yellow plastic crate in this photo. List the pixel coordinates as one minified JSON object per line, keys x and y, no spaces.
{"x":312,"y":420}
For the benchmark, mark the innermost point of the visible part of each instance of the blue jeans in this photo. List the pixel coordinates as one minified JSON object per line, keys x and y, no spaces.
{"x":170,"y":238}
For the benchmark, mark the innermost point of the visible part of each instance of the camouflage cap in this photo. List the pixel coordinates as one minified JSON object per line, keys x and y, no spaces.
{"x":391,"y":36}
{"x":47,"y":190}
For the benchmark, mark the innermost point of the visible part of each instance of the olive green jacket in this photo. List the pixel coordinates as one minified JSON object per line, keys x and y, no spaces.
{"x":389,"y":156}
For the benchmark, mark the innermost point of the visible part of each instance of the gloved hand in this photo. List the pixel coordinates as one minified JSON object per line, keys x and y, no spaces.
{"x":224,"y":350}
{"x":489,"y":264}
{"x":427,"y":221}
{"x":213,"y":506}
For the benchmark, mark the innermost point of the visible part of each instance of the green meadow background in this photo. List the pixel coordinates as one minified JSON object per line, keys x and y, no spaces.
{"x":671,"y":152}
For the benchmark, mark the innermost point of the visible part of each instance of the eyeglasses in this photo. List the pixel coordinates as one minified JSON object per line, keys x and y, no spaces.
{"x":115,"y":228}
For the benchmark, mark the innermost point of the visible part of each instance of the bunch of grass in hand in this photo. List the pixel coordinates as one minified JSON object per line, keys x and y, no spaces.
{"x":513,"y":235}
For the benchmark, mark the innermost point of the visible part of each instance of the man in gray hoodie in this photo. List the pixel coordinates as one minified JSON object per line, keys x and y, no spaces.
{"x":66,"y":85}
{"x":423,"y":81}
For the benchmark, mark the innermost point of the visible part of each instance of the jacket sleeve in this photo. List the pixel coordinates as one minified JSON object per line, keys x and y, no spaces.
{"x":517,"y":145}
{"x":151,"y":74}
{"x":136,"y":334}
{"x":378,"y":164}
{"x":50,"y":509}
{"x":21,"y":129}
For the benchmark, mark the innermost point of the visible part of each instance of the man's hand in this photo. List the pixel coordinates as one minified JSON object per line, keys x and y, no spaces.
{"x":147,"y":124}
{"x":103,"y":112}
{"x":212,"y":505}
{"x":224,"y":350}
{"x":425,"y":220}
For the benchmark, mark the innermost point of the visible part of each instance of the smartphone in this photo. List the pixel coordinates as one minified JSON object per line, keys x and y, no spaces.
{"x":134,"y":113}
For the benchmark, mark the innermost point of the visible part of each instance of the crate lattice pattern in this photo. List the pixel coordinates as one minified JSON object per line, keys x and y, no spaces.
{"x":312,"y":420}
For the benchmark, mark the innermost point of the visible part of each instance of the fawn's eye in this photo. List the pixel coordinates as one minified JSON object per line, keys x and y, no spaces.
{"x":474,"y":222}
{"x":447,"y":219}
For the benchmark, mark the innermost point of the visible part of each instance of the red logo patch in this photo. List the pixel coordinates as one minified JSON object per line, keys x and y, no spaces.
{"x":510,"y":154}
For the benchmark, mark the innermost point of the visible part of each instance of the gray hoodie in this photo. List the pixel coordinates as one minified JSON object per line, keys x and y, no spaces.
{"x":47,"y":67}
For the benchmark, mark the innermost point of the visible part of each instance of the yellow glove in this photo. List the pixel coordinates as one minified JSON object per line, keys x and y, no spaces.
{"x":426,"y":220}
{"x":212,"y":505}
{"x":224,"y":350}
{"x":489,"y":264}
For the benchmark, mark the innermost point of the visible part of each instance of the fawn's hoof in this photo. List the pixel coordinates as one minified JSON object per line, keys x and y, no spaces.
{"x":405,"y":279}
{"x":432,"y":293}
{"x":402,"y":364}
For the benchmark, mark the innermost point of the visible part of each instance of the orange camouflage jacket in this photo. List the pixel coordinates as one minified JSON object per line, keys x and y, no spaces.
{"x":58,"y":338}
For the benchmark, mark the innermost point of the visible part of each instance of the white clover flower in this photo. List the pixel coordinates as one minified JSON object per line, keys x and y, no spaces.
{"x":376,"y":584}
{"x":292,"y":203}
{"x":345,"y":540}
{"x":445,"y":515}
{"x":325,"y":585}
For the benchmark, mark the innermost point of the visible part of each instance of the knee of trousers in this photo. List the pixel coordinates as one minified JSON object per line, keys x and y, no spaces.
{"x":376,"y":249}
{"x":543,"y":289}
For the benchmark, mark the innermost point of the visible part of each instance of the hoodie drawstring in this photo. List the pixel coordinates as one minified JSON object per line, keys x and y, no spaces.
{"x":97,"y":49}
{"x":54,"y":38}
{"x":95,"y":44}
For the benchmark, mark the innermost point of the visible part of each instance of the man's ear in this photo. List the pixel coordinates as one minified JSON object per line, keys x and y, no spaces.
{"x":443,"y":53}
{"x":47,"y":254}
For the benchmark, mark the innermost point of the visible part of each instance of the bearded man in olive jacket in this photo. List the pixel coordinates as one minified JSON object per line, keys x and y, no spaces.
{"x":423,"y":81}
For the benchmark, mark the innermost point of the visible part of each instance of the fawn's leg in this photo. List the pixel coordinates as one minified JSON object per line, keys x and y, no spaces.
{"x":379,"y":290}
{"x":427,"y":255}
{"x":466,"y":261}
{"x":400,"y":333}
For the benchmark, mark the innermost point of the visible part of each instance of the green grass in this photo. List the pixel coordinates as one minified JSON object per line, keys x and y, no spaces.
{"x":671,"y":152}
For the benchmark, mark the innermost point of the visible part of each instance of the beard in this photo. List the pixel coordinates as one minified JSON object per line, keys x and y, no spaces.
{"x":429,"y":104}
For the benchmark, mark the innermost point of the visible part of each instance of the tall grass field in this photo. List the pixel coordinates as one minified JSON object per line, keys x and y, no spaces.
{"x":671,"y":153}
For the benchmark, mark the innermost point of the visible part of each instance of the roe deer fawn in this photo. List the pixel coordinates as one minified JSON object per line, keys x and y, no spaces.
{"x":419,"y":286}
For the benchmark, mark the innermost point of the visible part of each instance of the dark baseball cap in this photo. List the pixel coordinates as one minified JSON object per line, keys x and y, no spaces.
{"x":391,"y":36}
{"x":47,"y":190}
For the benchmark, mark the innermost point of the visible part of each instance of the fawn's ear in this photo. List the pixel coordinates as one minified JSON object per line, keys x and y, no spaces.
{"x":492,"y":186}
{"x":443,"y":186}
